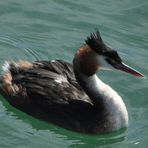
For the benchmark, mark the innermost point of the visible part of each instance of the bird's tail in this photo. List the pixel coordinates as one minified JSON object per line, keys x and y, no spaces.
{"x":6,"y":86}
{"x":9,"y":71}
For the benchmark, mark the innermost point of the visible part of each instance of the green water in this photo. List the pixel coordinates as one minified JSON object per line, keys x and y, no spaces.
{"x":48,"y":29}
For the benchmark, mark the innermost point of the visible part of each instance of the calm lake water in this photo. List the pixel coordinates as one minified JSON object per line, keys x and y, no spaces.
{"x":48,"y":29}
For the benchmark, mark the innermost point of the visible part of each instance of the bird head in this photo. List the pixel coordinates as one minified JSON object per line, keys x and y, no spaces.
{"x":106,"y":57}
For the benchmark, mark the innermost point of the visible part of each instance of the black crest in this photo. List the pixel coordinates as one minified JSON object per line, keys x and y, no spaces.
{"x":95,"y":42}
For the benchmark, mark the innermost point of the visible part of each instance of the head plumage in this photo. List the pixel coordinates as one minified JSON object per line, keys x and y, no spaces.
{"x":95,"y":42}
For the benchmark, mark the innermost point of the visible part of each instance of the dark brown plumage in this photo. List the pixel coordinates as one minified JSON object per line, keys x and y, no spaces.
{"x":37,"y":93}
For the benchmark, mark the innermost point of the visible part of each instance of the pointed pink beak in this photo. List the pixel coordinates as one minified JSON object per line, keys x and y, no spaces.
{"x":126,"y":68}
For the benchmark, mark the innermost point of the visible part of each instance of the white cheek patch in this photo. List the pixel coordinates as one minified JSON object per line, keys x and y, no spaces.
{"x":104,"y":64}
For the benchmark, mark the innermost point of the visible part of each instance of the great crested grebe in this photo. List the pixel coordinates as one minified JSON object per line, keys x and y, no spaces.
{"x":71,"y":96}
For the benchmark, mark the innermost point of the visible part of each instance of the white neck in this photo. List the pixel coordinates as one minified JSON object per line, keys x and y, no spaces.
{"x":104,"y":96}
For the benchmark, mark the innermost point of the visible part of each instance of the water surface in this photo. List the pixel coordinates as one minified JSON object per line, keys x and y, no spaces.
{"x":42,"y":29}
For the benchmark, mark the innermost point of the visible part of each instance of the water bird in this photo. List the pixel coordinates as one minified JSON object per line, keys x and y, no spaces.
{"x":69,"y":95}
